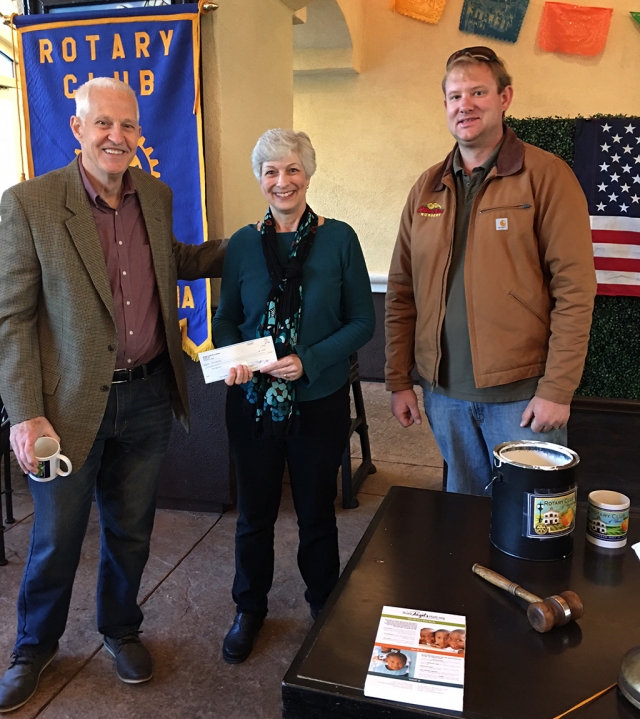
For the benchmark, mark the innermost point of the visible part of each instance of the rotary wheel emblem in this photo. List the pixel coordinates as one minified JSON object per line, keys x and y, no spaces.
{"x":149,"y":163}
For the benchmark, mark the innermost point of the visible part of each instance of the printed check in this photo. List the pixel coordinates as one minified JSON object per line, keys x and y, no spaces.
{"x":254,"y":353}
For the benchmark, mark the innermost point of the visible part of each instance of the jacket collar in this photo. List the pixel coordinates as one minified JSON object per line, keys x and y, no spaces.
{"x":82,"y":228}
{"x":510,"y":159}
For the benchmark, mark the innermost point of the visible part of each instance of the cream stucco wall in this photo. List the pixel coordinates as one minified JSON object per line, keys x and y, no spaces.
{"x":374,"y":133}
{"x":247,"y":60}
{"x":10,"y":166}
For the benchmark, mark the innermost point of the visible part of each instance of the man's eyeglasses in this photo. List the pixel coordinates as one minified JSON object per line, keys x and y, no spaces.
{"x":479,"y":52}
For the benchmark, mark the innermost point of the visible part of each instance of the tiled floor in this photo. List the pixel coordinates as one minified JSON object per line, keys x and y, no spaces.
{"x":187,"y":602}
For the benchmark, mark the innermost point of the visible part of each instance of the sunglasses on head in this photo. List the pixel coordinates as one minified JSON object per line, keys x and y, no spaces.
{"x":479,"y":52}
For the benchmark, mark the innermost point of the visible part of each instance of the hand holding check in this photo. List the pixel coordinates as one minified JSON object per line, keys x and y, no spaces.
{"x":236,"y":363}
{"x":289,"y":368}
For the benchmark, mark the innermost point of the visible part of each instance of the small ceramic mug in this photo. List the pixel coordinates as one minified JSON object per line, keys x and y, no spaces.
{"x":47,"y":451}
{"x":608,"y":518}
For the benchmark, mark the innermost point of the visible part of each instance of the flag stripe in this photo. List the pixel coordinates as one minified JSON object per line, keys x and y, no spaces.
{"x":619,"y":290}
{"x":607,"y":277}
{"x":615,"y":264}
{"x":621,"y":224}
{"x":605,"y":249}
{"x":616,"y":237}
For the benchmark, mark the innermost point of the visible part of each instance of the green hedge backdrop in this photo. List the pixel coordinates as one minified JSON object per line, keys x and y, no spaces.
{"x":612,"y":368}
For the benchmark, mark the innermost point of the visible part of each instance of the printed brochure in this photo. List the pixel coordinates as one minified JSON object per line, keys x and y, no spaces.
{"x":418,"y":658}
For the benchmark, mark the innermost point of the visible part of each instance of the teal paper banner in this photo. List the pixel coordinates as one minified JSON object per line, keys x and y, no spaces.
{"x":499,"y":19}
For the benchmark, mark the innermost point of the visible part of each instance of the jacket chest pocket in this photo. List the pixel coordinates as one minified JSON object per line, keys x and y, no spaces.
{"x":50,"y":380}
{"x":523,"y":206}
{"x":510,"y":226}
{"x":505,"y":215}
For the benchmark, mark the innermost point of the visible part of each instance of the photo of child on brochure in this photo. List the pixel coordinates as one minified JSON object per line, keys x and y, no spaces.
{"x":391,"y":661}
{"x":444,"y":640}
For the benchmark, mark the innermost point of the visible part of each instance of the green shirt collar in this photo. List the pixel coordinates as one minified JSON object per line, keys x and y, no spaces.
{"x":486,"y":165}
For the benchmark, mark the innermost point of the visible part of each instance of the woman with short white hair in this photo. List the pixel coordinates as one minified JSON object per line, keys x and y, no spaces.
{"x":302,"y":280}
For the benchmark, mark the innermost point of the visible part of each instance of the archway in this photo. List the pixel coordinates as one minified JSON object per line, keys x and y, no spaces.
{"x":327,"y":38}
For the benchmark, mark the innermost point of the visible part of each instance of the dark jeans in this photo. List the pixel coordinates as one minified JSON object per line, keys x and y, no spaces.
{"x":313,"y":455}
{"x":122,"y":472}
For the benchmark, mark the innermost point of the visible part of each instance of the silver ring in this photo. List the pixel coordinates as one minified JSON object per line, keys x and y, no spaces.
{"x":285,"y":375}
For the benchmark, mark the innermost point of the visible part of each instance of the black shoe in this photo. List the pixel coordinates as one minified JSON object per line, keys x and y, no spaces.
{"x":20,"y":681}
{"x":133,"y":661}
{"x":238,"y":643}
{"x":315,"y":611}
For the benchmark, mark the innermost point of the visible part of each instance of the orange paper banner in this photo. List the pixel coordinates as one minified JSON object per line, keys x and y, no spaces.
{"x":574,"y":29}
{"x":425,"y":10}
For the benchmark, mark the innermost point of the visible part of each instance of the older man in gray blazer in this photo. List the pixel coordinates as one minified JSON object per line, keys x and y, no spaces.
{"x":91,"y":355}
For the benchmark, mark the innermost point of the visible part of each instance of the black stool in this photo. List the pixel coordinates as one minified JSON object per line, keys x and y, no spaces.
{"x":351,"y":483}
{"x":6,"y":456}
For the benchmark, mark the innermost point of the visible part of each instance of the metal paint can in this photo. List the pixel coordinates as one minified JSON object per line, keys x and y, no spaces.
{"x":533,"y":511}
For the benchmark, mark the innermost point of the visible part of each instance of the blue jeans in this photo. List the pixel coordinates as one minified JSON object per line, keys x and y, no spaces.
{"x":121,"y":471}
{"x":467,"y":432}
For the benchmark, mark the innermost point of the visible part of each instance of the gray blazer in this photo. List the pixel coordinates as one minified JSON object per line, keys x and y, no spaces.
{"x":57,"y":326}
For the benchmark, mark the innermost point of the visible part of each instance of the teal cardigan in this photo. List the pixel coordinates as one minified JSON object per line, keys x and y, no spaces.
{"x":337,"y":315}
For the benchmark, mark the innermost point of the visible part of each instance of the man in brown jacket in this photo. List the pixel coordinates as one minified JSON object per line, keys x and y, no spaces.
{"x":491,"y":285}
{"x":92,"y":357}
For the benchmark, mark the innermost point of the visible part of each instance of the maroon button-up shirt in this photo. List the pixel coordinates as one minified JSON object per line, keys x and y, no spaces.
{"x":127,"y":253}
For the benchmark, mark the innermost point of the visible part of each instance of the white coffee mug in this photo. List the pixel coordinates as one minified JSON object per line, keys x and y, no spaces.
{"x":607,"y":518}
{"x":47,"y":451}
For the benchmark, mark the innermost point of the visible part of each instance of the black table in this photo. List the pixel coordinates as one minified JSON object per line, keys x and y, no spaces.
{"x":417,"y":553}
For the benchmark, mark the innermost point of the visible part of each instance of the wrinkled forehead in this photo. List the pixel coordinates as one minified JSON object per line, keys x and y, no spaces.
{"x":284,"y":156}
{"x":465,"y":74}
{"x":114,"y":103}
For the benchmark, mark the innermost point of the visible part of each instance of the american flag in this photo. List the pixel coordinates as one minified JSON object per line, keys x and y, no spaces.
{"x":607,"y":164}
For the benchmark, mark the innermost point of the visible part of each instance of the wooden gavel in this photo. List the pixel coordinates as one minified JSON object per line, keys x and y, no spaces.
{"x":543,"y":614}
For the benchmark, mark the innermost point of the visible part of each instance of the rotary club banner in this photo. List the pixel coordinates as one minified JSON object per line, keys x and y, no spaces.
{"x":155,"y":50}
{"x":574,"y":29}
{"x":425,"y":10}
{"x":499,"y":19}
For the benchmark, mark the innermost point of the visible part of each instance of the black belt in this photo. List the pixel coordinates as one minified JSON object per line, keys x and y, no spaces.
{"x":142,"y":371}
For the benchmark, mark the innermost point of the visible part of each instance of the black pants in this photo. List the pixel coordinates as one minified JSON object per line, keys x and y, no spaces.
{"x":313,"y":454}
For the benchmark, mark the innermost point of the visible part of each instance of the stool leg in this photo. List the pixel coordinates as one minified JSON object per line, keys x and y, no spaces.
{"x":348,"y":500}
{"x":8,"y":490}
{"x":363,"y":429}
{"x":351,"y":481}
{"x":3,"y":556}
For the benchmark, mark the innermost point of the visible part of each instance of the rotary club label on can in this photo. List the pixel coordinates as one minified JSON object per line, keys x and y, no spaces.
{"x":550,"y":515}
{"x":607,"y":525}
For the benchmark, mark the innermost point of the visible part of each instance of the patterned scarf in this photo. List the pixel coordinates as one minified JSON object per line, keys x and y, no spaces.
{"x":273,"y":398}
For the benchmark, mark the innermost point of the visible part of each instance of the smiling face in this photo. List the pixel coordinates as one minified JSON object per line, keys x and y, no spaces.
{"x":441,"y":638}
{"x":108,"y":135}
{"x":474,"y":106}
{"x":395,"y":662}
{"x":284,"y":185}
{"x":457,"y":639}
{"x":426,"y":636}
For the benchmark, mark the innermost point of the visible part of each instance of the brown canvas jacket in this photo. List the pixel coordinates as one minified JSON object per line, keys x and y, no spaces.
{"x":529,"y":275}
